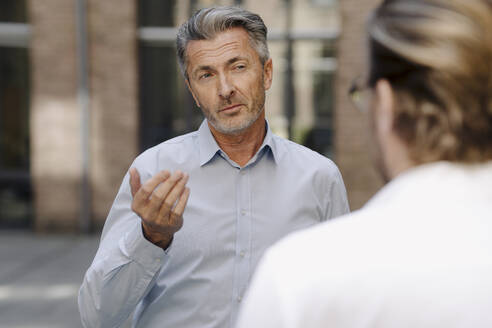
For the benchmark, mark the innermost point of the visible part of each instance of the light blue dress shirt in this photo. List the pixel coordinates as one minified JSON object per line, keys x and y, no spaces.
{"x":233,"y":214}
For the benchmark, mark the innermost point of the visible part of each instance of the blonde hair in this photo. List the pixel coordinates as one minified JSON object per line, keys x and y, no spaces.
{"x":437,"y":55}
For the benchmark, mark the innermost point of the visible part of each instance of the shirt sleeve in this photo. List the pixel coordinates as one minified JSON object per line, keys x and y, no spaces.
{"x":264,"y":305}
{"x":337,"y":201}
{"x":124,"y":269}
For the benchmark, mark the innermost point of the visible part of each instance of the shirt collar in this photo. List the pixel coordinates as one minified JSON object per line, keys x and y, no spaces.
{"x":269,"y":142}
{"x":208,"y":147}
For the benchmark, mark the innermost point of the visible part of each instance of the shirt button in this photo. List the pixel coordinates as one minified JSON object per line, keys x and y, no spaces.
{"x":239,"y":299}
{"x":243,"y":212}
{"x":243,"y":172}
{"x":242,"y":254}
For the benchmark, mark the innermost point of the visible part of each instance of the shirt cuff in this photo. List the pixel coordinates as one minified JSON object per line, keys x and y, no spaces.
{"x":142,"y":251}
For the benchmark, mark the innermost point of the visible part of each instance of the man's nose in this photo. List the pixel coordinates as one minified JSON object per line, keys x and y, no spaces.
{"x":225,"y":88}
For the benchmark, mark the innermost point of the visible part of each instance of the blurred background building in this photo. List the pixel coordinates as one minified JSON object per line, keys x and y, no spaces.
{"x":86,"y":85}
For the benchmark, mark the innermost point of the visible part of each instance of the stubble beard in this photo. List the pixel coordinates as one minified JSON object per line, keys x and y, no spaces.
{"x":252,"y":114}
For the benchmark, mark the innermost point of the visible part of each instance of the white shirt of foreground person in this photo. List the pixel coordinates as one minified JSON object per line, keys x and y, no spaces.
{"x":233,"y":214}
{"x":419,"y":254}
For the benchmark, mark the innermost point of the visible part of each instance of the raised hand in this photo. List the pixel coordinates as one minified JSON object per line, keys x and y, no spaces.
{"x":160,"y":203}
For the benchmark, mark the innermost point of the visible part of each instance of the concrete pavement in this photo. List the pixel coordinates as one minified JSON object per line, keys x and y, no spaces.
{"x":39,"y":278}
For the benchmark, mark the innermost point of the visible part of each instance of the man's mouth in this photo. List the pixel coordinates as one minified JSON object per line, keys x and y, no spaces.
{"x":228,"y":108}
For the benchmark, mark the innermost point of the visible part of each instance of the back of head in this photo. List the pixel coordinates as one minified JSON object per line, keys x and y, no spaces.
{"x":437,"y":55}
{"x":206,"y":23}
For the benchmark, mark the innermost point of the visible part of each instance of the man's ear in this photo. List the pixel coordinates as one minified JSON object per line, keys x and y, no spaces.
{"x":268,"y":74}
{"x":192,"y":93}
{"x":384,"y":106}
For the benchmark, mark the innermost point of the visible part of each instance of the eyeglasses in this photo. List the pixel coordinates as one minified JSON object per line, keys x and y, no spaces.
{"x":360,"y":94}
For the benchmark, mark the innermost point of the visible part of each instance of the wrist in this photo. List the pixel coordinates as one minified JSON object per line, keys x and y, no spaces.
{"x":157,"y":238}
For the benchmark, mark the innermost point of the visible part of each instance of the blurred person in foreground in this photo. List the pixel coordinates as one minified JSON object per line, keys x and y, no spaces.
{"x":419,"y":254}
{"x":176,"y":259}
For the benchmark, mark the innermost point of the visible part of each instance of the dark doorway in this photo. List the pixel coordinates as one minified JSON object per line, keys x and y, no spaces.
{"x":15,"y":181}
{"x":166,"y":107}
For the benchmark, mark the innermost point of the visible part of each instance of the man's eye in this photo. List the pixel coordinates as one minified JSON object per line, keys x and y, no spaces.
{"x":239,"y":67}
{"x":205,"y":76}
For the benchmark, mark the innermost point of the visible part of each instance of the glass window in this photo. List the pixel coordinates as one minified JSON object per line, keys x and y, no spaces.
{"x":14,"y":101}
{"x":320,"y":137}
{"x":13,"y":11}
{"x":156,"y":12}
{"x":15,"y":186}
{"x":324,"y":2}
{"x":166,"y":106}
{"x":313,"y":78}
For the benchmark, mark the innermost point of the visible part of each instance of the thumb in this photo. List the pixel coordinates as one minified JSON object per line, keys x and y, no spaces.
{"x":134,"y":181}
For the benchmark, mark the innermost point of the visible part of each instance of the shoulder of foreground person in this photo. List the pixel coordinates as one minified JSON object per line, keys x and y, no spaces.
{"x":289,"y":271}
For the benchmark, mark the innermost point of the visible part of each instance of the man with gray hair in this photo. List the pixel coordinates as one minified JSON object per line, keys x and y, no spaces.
{"x":180,"y":259}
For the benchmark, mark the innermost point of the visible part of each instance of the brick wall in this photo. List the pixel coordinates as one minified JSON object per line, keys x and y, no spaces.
{"x":351,"y":126}
{"x":114,"y":99}
{"x":55,"y":117}
{"x":56,"y":155}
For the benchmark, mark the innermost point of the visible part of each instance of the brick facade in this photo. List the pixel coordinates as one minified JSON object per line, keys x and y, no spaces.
{"x":351,"y":126}
{"x":114,"y":99}
{"x":55,"y":117}
{"x":56,"y":160}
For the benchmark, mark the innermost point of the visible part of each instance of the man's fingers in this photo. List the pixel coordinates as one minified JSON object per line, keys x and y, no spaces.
{"x":161,"y":200}
{"x":175,"y":192}
{"x":160,"y":194}
{"x":167,"y":205}
{"x":142,"y":195}
{"x":176,"y":216}
{"x":134,"y":181}
{"x":183,"y":199}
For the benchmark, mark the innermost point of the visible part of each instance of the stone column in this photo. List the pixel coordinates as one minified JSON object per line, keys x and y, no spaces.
{"x":55,"y":116}
{"x":351,"y":126}
{"x":114,"y":98}
{"x":56,"y":156}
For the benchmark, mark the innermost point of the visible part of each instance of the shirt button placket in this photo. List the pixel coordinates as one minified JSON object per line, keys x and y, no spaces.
{"x":243,"y":233}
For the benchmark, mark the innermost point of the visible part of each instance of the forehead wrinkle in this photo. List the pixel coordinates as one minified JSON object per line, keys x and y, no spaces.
{"x":216,"y":52}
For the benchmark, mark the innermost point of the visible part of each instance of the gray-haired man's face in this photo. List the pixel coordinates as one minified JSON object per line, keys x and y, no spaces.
{"x":228,"y":80}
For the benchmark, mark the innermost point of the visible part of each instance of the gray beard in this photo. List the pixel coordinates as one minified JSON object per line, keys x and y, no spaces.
{"x":236,"y":129}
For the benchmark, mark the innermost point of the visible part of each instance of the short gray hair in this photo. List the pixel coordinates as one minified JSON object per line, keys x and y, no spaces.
{"x":206,"y":23}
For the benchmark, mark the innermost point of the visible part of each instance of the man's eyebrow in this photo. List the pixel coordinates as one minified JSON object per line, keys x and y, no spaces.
{"x":209,"y":68}
{"x":203,"y":68}
{"x":235,"y":59}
